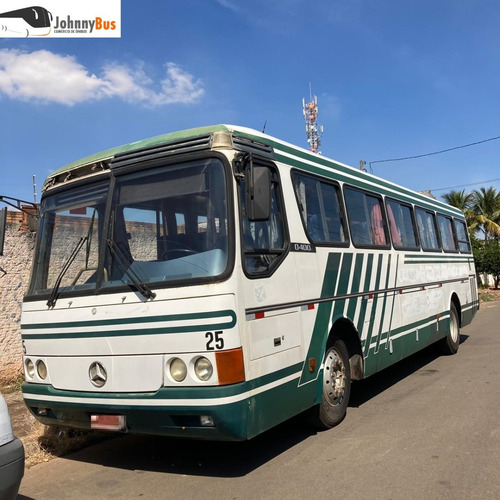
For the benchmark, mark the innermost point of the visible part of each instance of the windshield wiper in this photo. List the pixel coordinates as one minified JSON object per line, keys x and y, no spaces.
{"x":121,"y":260}
{"x":53,"y":296}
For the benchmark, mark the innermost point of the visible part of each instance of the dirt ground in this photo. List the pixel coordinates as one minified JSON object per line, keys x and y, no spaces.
{"x":42,"y":443}
{"x":487,"y":295}
{"x":22,"y":420}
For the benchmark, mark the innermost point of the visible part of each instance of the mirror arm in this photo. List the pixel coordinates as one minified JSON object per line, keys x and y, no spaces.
{"x":239,"y":164}
{"x":17,"y":203}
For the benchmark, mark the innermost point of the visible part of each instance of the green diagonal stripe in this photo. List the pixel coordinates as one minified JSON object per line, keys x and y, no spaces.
{"x":356,"y":281}
{"x":345,"y":274}
{"x":374,"y":305}
{"x":384,"y":304}
{"x":320,"y":330}
{"x":366,"y":288}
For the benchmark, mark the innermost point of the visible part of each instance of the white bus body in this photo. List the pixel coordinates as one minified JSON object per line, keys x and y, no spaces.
{"x":214,"y":282}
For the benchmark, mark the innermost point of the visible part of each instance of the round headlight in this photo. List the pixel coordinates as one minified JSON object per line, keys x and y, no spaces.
{"x":178,"y":369}
{"x":203,"y":369}
{"x":41,"y":368}
{"x":30,"y":368}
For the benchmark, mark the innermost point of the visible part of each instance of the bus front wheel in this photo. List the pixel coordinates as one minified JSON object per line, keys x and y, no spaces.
{"x":336,"y":387}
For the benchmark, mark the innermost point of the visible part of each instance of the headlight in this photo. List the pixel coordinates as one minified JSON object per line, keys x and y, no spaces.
{"x":30,"y":368}
{"x":178,"y":369}
{"x":41,"y":368}
{"x":203,"y":369}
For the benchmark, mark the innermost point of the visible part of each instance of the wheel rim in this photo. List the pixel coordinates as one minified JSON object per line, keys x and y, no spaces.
{"x":334,"y":378}
{"x":454,"y":330}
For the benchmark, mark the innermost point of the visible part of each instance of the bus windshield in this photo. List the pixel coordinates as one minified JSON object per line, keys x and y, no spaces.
{"x":166,"y":224}
{"x":69,"y":235}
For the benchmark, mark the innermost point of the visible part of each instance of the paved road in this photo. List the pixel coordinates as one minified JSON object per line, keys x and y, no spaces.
{"x":428,"y":428}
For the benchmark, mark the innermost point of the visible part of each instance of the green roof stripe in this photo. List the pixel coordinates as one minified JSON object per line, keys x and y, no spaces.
{"x":363,"y":178}
{"x":153,"y":141}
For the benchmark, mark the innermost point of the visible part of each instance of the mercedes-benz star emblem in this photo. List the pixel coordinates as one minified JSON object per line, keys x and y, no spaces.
{"x":97,"y":374}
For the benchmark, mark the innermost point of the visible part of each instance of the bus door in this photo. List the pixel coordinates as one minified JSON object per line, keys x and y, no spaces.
{"x":269,"y":281}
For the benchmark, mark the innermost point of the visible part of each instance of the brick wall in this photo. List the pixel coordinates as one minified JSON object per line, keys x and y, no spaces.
{"x":16,"y":262}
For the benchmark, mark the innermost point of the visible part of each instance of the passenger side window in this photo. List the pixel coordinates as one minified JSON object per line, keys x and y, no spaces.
{"x":366,"y":218}
{"x":402,"y":225}
{"x":462,"y":236}
{"x":320,"y":209}
{"x":447,"y":236}
{"x":427,"y":230}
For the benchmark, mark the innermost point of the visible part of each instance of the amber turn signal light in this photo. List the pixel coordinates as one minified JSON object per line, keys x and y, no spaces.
{"x":230,"y":367}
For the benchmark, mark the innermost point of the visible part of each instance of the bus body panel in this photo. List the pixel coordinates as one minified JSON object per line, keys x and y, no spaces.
{"x":391,"y":302}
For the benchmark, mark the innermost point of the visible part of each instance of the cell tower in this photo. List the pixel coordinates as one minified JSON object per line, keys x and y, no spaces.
{"x":313,"y":130}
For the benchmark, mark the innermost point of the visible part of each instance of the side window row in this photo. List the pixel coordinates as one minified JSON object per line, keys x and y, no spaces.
{"x":320,"y":205}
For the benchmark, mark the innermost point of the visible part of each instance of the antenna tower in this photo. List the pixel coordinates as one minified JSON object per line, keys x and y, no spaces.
{"x":313,"y":130}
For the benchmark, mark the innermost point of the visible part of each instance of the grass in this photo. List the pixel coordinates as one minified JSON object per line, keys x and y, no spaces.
{"x":13,"y":385}
{"x":486,"y":297}
{"x":487,"y":294}
{"x":45,"y":443}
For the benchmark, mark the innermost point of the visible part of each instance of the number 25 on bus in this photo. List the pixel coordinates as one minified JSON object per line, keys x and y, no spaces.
{"x":214,"y":282}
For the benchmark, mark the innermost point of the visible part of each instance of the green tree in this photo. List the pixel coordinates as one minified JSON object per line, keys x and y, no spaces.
{"x":486,"y":207}
{"x":487,"y":257}
{"x":459,"y":199}
{"x":463,"y":201}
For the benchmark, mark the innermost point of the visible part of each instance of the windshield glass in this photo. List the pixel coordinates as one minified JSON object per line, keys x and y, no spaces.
{"x":70,"y":233}
{"x":167,"y":224}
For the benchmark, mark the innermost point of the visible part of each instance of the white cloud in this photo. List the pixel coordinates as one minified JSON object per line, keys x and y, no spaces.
{"x":43,"y":76}
{"x":228,"y":5}
{"x":179,"y":86}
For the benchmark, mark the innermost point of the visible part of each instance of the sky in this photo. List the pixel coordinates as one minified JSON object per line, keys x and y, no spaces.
{"x":394,"y":78}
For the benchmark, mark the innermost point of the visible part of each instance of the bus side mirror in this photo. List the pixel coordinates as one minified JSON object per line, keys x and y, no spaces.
{"x":258,"y":192}
{"x":3,"y":227}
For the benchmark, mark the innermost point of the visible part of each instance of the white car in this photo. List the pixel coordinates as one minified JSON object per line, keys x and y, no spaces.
{"x":11,"y":456}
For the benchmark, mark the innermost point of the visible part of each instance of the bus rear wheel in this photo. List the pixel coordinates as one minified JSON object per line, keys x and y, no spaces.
{"x":449,"y":344}
{"x":336,"y":387}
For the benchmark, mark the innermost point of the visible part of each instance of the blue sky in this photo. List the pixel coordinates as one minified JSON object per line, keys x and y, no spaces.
{"x":395,"y":78}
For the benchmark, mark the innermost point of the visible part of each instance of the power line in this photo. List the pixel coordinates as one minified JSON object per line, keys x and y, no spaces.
{"x":465,"y":185}
{"x":436,"y":153}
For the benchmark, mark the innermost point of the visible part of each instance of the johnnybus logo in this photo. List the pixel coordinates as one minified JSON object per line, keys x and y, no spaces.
{"x":60,"y":18}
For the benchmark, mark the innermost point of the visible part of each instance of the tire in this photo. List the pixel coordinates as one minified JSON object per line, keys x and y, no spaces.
{"x":336,"y":387}
{"x":449,"y":344}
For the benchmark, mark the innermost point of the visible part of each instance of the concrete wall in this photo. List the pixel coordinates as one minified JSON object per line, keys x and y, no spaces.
{"x":16,"y":262}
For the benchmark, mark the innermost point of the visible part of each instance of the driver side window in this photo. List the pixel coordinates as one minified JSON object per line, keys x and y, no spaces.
{"x":264,"y":242}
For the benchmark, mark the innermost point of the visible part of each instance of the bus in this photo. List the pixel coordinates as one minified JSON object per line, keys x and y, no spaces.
{"x":214,"y":282}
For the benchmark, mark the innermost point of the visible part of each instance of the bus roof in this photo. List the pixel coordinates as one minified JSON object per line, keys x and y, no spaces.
{"x":145,"y":143}
{"x":284,"y":151}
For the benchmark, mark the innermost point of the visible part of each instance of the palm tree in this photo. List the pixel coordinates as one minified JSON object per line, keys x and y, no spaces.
{"x":459,"y":199}
{"x":486,"y":207}
{"x":465,"y":202}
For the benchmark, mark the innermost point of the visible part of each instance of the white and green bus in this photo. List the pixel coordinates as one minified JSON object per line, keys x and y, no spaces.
{"x":214,"y":282}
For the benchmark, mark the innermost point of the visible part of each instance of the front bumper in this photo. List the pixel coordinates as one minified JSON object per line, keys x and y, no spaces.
{"x":154,"y":413}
